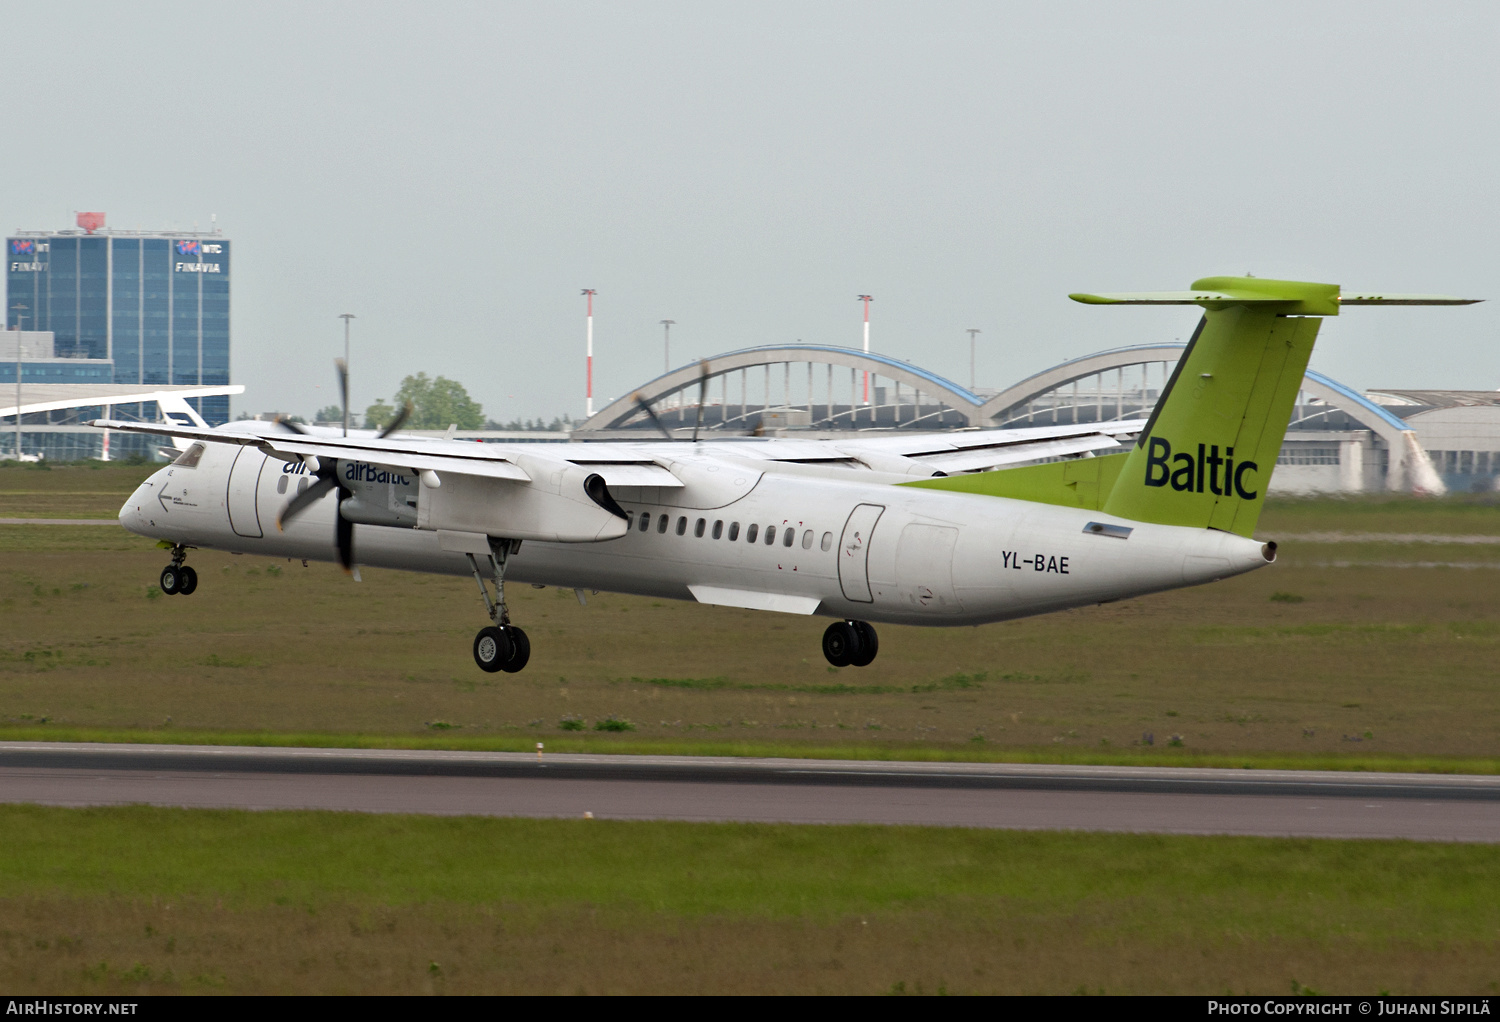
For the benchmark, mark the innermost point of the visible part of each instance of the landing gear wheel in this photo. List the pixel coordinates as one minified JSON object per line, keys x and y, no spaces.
{"x":520,"y":649}
{"x":491,"y":649}
{"x":841,"y":643}
{"x":869,"y":644}
{"x":171,"y":580}
{"x":187,"y":579}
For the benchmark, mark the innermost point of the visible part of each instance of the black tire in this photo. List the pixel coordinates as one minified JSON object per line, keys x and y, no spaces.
{"x":491,"y":650}
{"x":171,"y":581}
{"x":841,"y":643}
{"x":520,"y":649}
{"x":869,"y":644}
{"x":187,"y":580}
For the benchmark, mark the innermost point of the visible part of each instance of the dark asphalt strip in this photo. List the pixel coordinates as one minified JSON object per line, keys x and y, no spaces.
{"x":747,"y":771}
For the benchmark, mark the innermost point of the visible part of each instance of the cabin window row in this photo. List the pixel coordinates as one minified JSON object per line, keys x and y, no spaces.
{"x":787,"y":535}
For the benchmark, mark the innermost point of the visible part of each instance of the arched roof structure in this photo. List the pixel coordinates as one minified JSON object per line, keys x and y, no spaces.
{"x":1328,"y":390}
{"x":1406,"y":456}
{"x":929,"y":389}
{"x":686,"y":380}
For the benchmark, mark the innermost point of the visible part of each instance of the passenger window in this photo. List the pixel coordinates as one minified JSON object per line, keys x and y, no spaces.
{"x":750,"y":532}
{"x":645,"y":522}
{"x":699,"y":527}
{"x":734,"y":531}
{"x":281,"y":485}
{"x":189,"y":458}
{"x":770,"y":534}
{"x":827,"y":541}
{"x":682,"y":526}
{"x":718,"y":528}
{"x":789,"y":536}
{"x":807,"y":538}
{"x":302,"y":484}
{"x":661,"y":524}
{"x":628,"y":520}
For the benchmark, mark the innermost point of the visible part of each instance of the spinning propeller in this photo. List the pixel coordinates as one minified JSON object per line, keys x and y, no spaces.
{"x":645,"y":406}
{"x":327,"y":475}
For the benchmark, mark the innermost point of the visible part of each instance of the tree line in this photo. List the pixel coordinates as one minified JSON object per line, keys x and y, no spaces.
{"x":437,"y":403}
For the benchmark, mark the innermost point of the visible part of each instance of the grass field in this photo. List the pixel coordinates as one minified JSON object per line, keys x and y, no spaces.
{"x":1377,"y":663}
{"x":157,"y":900}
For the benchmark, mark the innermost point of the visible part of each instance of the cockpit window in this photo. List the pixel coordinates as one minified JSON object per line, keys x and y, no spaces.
{"x":189,"y":458}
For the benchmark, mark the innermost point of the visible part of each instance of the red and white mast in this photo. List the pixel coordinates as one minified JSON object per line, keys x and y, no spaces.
{"x":588,"y":405}
{"x":867,"y":299}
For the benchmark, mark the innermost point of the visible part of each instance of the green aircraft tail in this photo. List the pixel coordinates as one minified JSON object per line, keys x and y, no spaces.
{"x":1206,"y":455}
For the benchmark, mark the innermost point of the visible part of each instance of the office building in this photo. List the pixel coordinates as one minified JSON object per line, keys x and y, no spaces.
{"x":137,"y":307}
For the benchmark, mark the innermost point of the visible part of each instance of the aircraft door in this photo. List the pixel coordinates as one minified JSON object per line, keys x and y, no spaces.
{"x":924,"y":567}
{"x":854,"y":552}
{"x":244,"y":482}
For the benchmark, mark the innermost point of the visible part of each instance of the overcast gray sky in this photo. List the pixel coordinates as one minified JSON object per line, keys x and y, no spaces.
{"x":454,"y":174}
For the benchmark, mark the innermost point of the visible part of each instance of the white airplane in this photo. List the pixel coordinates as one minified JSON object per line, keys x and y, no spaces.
{"x":911,"y":529}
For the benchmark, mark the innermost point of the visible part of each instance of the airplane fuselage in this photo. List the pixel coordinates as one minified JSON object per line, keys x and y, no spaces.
{"x":830,"y":542}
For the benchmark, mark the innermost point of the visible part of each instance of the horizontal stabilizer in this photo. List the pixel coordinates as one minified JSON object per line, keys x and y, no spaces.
{"x":1374,"y":299}
{"x":1290,"y":297}
{"x":1169,"y":298}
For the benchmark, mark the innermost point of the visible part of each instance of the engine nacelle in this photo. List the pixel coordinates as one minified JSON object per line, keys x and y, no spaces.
{"x":383,"y":495}
{"x":562,"y":504}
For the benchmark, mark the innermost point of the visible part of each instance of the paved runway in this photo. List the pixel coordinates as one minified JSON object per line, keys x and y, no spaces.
{"x":1140,"y":799}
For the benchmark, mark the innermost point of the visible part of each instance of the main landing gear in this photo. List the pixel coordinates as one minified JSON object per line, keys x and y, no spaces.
{"x":178,"y":578}
{"x":850,"y":644}
{"x":502,"y":646}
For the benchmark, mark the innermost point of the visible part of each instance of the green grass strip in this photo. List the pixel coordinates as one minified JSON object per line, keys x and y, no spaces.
{"x":1156,"y":883}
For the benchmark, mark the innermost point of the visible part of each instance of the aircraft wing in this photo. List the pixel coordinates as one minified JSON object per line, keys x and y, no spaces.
{"x":645,"y":463}
{"x":933,"y":454}
{"x":618,"y":465}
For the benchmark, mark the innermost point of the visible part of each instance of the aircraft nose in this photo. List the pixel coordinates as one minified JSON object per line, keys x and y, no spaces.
{"x":132,"y":512}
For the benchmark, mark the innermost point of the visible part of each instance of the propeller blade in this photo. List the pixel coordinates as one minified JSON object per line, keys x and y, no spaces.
{"x":702,"y":396}
{"x":290,"y":426}
{"x":645,"y":406}
{"x":344,"y":537}
{"x":343,"y":368}
{"x":398,"y":421}
{"x":304,"y":500}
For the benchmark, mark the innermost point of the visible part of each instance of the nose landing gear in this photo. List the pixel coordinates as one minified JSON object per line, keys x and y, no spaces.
{"x":850,"y":644}
{"x":501,"y":646}
{"x":178,"y":578}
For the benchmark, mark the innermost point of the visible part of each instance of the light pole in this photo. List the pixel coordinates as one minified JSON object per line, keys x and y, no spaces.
{"x":666,"y":358}
{"x":588,"y":401}
{"x":867,"y":299}
{"x":973,"y":378}
{"x":346,"y":317}
{"x":666,"y":340}
{"x":20,"y":311}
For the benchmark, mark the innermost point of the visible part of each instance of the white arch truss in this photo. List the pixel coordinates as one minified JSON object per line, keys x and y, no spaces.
{"x":832,"y":400}
{"x":1409,"y":466}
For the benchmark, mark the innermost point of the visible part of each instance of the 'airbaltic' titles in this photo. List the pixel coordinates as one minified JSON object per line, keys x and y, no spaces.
{"x":359,"y":472}
{"x":1190,"y":475}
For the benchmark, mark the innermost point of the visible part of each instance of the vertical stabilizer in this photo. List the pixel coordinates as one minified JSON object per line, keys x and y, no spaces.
{"x":1206,"y":456}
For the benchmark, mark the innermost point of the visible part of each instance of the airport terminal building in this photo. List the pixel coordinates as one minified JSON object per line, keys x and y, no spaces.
{"x":133,"y":307}
{"x":106,"y":306}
